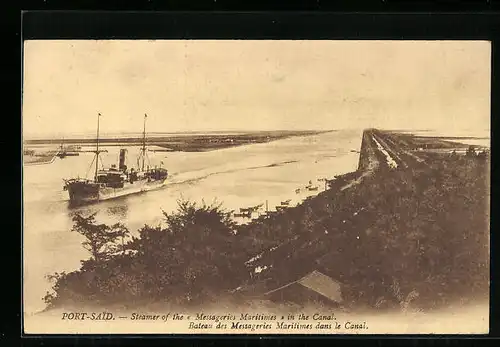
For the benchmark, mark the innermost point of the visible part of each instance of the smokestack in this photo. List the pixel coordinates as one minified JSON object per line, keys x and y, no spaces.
{"x":123,"y":159}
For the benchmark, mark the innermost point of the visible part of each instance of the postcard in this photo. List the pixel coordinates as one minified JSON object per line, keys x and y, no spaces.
{"x":256,"y":187}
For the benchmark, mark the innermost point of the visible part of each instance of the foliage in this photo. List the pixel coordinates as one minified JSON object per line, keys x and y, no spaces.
{"x":408,"y":238}
{"x":424,"y":227}
{"x":187,"y":261}
{"x":101,"y":240}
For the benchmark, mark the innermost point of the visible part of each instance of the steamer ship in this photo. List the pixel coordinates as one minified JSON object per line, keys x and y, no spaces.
{"x":113,"y":182}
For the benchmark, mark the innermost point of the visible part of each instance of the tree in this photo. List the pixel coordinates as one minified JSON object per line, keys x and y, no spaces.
{"x":101,"y":240}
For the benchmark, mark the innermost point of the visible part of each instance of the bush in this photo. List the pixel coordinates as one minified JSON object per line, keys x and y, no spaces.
{"x":413,"y":236}
{"x":189,"y":260}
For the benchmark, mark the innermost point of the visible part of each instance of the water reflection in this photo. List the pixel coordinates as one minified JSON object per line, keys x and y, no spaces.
{"x":119,"y":211}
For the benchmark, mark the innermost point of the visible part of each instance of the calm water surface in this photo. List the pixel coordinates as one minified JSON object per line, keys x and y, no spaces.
{"x":236,"y":177}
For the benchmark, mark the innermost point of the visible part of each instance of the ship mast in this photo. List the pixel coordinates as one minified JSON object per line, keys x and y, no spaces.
{"x":144,"y":142}
{"x":97,"y":149}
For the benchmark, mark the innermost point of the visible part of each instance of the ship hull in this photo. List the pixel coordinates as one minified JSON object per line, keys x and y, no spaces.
{"x":92,"y":192}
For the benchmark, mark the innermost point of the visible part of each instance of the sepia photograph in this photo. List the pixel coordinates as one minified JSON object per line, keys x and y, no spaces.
{"x":256,"y":187}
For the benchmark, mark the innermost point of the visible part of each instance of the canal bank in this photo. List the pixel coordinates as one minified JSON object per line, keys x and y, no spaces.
{"x":407,"y":230}
{"x":410,"y":237}
{"x":235,"y":177}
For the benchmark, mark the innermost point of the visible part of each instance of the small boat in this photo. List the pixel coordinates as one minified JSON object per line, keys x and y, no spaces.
{"x":67,"y":154}
{"x":313,"y":189}
{"x":251,"y":209}
{"x":68,"y":151}
{"x":243,"y":215}
{"x":286,"y":202}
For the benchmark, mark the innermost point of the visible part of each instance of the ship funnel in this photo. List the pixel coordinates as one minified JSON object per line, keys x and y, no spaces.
{"x":123,"y":159}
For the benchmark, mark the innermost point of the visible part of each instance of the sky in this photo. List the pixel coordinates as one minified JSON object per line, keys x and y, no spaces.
{"x":242,"y":85}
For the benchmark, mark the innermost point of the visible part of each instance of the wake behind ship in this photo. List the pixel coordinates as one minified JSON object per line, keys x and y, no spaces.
{"x":113,"y":182}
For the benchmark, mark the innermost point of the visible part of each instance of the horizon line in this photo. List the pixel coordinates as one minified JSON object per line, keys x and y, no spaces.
{"x":125,"y":133}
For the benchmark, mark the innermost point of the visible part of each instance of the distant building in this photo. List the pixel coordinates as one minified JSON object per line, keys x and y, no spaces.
{"x":313,"y":287}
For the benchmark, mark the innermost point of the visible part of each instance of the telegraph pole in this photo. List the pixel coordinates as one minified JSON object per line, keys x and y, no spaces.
{"x":144,"y":142}
{"x":97,"y":148}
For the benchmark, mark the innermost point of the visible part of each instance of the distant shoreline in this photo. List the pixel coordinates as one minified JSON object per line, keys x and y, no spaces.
{"x":366,"y":220}
{"x":185,"y":143}
{"x":161,"y":134}
{"x":41,"y":160}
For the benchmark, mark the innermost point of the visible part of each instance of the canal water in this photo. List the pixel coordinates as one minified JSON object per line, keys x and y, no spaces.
{"x":473,"y":137}
{"x":236,"y":177}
